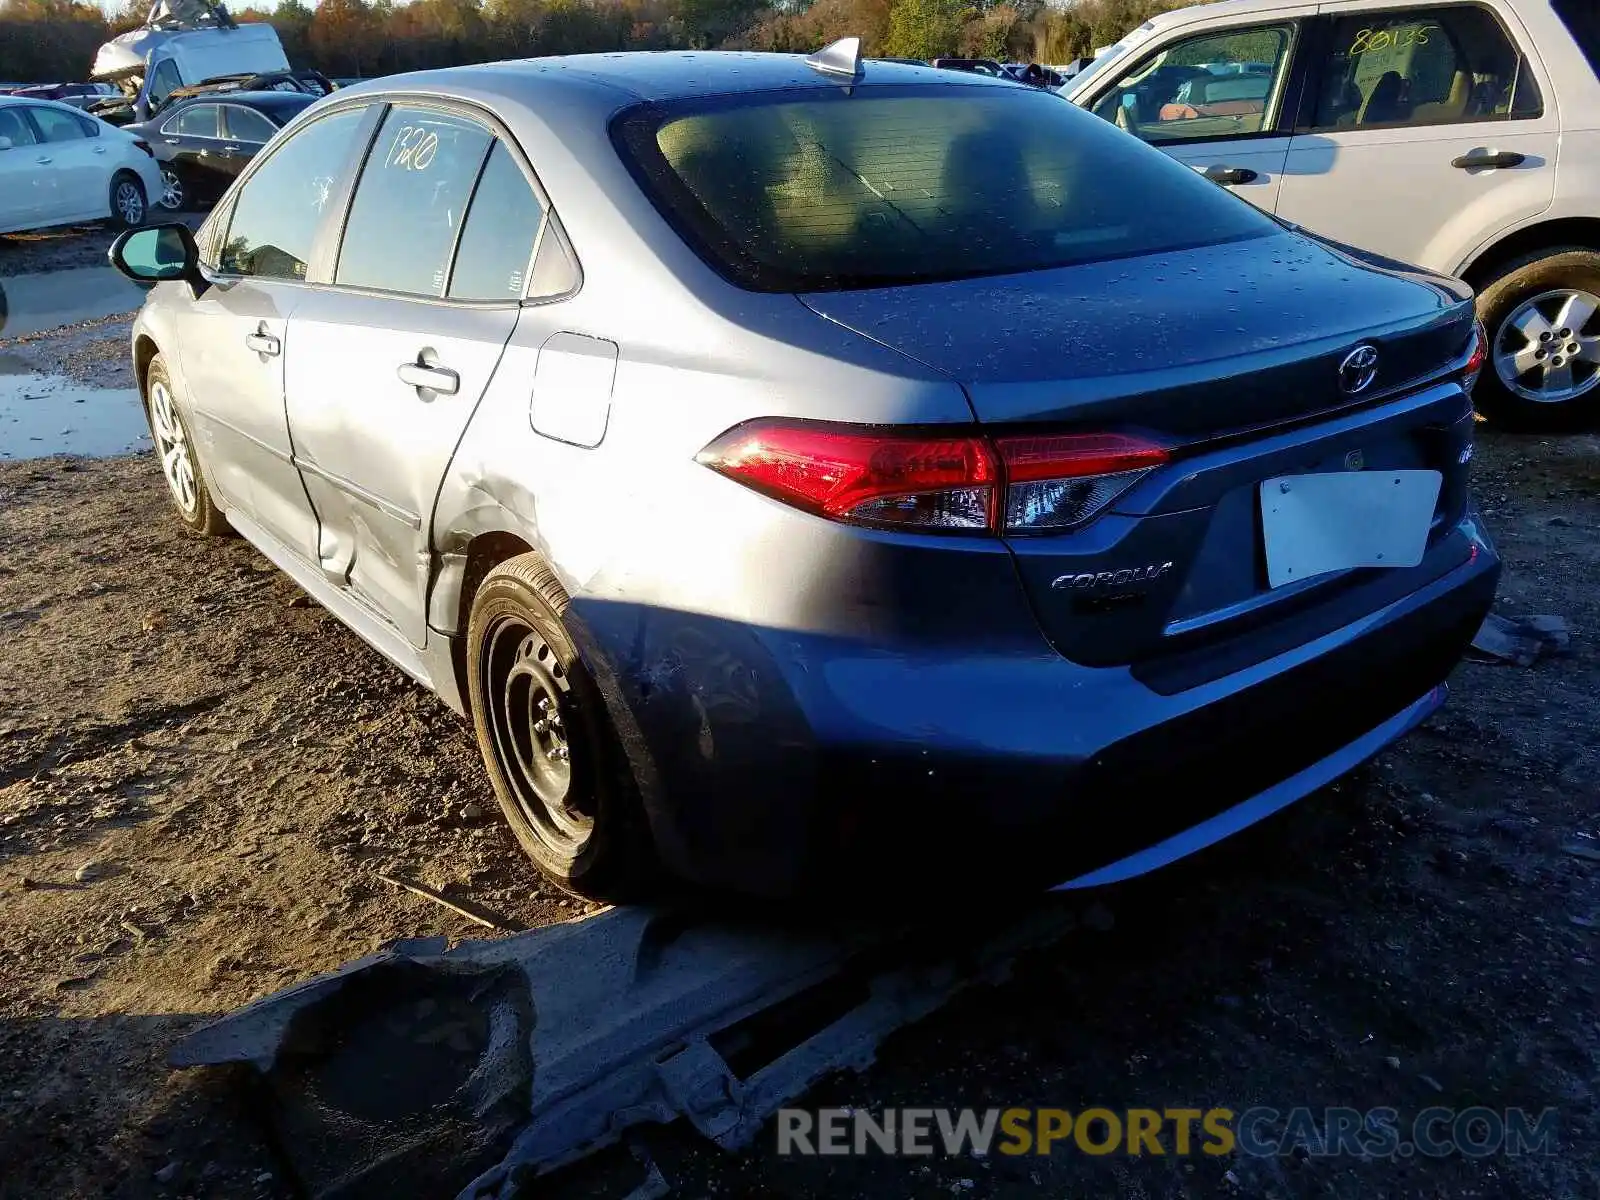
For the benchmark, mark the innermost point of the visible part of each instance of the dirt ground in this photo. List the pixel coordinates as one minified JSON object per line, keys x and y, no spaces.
{"x":202,"y":774}
{"x":70,"y":246}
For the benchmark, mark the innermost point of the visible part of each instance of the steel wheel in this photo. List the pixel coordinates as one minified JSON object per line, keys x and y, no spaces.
{"x":172,"y":446}
{"x":529,"y":706}
{"x":171,"y":190}
{"x":1548,"y":349}
{"x":127,"y":199}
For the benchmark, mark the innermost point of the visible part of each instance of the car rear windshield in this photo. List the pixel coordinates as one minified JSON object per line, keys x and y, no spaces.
{"x":826,"y":190}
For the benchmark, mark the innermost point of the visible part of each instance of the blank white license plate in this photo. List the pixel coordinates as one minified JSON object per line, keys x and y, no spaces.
{"x":1314,"y":524}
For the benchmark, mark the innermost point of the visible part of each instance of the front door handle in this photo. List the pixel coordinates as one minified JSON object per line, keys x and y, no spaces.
{"x":1221,"y":174}
{"x":43,"y":161}
{"x":420,"y":375}
{"x":1489,"y":158}
{"x":263,"y":342}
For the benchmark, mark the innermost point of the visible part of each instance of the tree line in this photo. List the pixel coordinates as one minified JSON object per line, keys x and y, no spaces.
{"x":55,"y":40}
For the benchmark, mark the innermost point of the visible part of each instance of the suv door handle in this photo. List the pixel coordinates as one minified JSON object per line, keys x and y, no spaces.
{"x":1489,"y":158}
{"x":263,"y":343}
{"x":434,"y":379}
{"x":1221,"y":174}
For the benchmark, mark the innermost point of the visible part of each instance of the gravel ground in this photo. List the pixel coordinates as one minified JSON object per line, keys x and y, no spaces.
{"x":201,"y":775}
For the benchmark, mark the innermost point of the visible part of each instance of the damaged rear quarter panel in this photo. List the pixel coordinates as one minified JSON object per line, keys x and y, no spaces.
{"x":676,"y":574}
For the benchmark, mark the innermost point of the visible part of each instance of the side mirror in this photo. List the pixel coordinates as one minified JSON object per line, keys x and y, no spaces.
{"x":5,"y":143}
{"x":163,"y":252}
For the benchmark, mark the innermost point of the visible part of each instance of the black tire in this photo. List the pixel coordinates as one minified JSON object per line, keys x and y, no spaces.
{"x":1536,"y":279}
{"x":129,"y":205}
{"x":583,"y":827}
{"x":170,"y":434}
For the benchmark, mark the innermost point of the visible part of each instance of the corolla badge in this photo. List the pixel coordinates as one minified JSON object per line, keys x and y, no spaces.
{"x":1358,"y":370}
{"x":1095,"y":581}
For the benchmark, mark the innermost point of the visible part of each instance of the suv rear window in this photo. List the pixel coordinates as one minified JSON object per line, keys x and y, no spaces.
{"x":823,"y":190}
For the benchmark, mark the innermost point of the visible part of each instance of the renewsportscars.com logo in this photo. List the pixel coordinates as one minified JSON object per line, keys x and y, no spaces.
{"x":1258,"y":1132}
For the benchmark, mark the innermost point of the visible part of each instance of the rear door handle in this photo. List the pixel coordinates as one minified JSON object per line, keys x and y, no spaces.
{"x":173,"y":141}
{"x":263,"y":343}
{"x":1221,"y":174}
{"x":43,"y":161}
{"x":1489,"y":158}
{"x":435,"y":379}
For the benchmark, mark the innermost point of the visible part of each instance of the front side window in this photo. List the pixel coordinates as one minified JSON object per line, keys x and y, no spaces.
{"x":247,"y":125}
{"x":497,"y":241}
{"x":280,"y":206}
{"x":1423,"y":66}
{"x":1220,"y":85}
{"x":410,"y":201}
{"x":56,"y":125}
{"x":199,"y":121}
{"x":14,"y":127}
{"x":908,"y":184}
{"x":162,"y":80}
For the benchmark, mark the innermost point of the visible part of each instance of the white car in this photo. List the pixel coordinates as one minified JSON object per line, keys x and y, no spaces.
{"x":1462,"y":137}
{"x":59,"y":166}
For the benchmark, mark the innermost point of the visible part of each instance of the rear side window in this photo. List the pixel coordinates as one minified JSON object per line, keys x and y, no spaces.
{"x":497,"y":241}
{"x":280,"y":207}
{"x":410,"y":202}
{"x":909,"y":184}
{"x":247,"y":125}
{"x":1582,"y":19}
{"x":58,"y":126}
{"x":1424,"y":66}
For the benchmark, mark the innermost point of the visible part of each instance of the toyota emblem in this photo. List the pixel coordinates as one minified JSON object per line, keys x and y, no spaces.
{"x":1358,"y":370}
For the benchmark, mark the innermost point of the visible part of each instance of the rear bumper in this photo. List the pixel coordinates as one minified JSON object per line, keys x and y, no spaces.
{"x":801,"y":762}
{"x":1262,"y":805}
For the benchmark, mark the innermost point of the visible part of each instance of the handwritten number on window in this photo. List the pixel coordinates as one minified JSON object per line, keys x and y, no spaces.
{"x":413,"y":149}
{"x":1389,"y":39}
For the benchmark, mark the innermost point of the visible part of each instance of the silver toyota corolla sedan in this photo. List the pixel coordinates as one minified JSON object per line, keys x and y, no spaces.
{"x":815,"y":471}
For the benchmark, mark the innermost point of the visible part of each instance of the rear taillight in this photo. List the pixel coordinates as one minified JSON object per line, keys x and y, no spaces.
{"x":145,"y":146}
{"x":1062,"y":481}
{"x":1476,"y":356}
{"x":928,"y":480}
{"x":874,"y":476}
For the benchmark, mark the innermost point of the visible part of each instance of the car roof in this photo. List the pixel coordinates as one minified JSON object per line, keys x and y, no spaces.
{"x":270,"y":100}
{"x":661,"y":75}
{"x":6,"y":99}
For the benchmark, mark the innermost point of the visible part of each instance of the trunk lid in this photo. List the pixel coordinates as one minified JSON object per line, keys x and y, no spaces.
{"x":1193,"y":343}
{"x":1232,"y":354}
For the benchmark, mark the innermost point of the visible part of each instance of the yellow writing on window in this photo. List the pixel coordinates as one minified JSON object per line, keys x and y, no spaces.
{"x":1389,"y":39}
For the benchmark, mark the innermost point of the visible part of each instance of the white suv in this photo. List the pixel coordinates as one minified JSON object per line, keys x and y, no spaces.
{"x":1463,"y":137}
